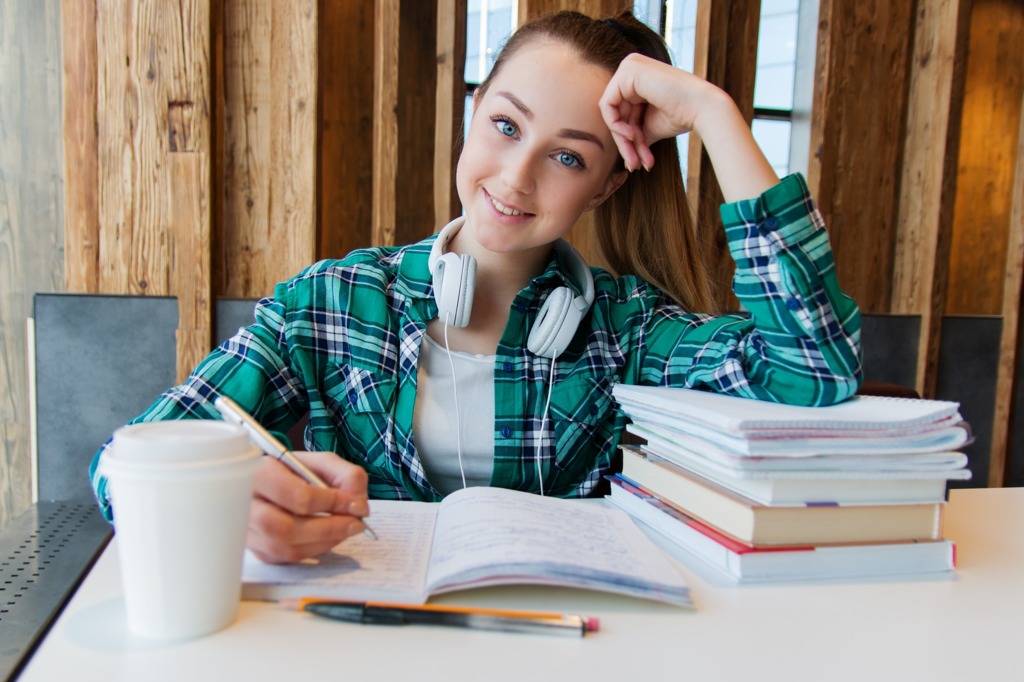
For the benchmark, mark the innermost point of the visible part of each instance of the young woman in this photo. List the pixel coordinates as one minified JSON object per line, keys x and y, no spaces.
{"x":486,"y":355}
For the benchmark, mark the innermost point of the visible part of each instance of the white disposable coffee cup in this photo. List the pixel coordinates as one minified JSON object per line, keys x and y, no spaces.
{"x":180,"y":492}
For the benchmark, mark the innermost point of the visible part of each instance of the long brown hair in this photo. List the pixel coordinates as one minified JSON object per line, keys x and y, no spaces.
{"x":645,"y":228}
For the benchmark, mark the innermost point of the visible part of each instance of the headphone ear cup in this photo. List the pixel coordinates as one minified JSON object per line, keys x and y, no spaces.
{"x":556,"y":323}
{"x":454,"y":283}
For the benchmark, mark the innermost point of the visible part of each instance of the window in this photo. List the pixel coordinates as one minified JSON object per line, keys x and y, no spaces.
{"x":488,"y":25}
{"x":776,"y":66}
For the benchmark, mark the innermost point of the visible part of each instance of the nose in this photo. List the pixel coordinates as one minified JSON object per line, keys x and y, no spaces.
{"x":517,"y":170}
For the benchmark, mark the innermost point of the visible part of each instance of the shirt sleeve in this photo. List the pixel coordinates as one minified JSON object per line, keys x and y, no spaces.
{"x":253,"y":368}
{"x":799,"y":339}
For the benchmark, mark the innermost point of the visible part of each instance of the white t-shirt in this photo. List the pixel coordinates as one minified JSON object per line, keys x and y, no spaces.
{"x":436,"y":430}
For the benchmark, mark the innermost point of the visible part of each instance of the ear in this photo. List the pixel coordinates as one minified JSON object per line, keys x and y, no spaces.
{"x":613,"y":182}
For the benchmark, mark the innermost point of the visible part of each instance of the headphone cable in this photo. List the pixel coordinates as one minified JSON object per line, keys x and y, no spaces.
{"x":455,"y":390}
{"x":544,"y":421}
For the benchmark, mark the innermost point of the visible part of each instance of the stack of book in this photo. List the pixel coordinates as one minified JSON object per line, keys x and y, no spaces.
{"x":763,"y":491}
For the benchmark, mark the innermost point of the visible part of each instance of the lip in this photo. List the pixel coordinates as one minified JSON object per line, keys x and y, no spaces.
{"x":521,"y":216}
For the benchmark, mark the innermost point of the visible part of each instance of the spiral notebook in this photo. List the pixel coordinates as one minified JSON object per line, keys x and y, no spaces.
{"x":746,"y":427}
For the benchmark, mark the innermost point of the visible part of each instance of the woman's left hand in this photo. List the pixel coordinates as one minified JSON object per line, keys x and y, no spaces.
{"x":647,"y":100}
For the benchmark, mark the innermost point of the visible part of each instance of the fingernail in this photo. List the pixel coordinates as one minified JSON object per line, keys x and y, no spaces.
{"x":358,"y":508}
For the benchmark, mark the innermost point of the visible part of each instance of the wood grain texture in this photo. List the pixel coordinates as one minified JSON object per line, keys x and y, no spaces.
{"x":448,"y":107}
{"x":1012,"y":286}
{"x":153,"y":145}
{"x":189,"y":143}
{"x":858,"y":111}
{"x":31,"y":218}
{"x":291,"y":241}
{"x":81,"y":173}
{"x":928,"y":183}
{"x":531,"y":9}
{"x":269,"y":89}
{"x":346,"y":127}
{"x":385,"y":120}
{"x":244,"y":197}
{"x":190,"y":187}
{"x":417,"y":98}
{"x":984,"y":190}
{"x":725,"y":53}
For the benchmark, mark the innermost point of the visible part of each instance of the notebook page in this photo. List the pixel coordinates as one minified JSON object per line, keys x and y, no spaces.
{"x":391,"y":568}
{"x":497,"y":536}
{"x":744,"y":415}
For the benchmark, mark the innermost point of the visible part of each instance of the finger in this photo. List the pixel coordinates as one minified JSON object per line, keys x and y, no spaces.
{"x":646,"y":156}
{"x":627,"y":151}
{"x":336,"y":471}
{"x":280,"y":486}
{"x":277,"y":536}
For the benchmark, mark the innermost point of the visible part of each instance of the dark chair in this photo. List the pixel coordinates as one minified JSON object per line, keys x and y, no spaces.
{"x":99,"y":361}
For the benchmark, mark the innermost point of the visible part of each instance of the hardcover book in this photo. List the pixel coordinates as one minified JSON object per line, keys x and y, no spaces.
{"x":765,"y":526}
{"x":743,"y":563}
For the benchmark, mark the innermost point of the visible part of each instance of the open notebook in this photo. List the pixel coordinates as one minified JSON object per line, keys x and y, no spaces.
{"x":474,"y":538}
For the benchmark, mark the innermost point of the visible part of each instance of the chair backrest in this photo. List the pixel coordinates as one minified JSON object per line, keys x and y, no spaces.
{"x":99,"y":361}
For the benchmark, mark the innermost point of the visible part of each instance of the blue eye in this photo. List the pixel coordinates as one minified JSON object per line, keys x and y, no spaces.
{"x":569,"y":160}
{"x":505,"y":126}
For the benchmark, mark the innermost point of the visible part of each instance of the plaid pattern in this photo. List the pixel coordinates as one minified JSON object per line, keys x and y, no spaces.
{"x":341,"y":341}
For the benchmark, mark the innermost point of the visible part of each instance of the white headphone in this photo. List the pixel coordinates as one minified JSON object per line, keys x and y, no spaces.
{"x":455,"y":278}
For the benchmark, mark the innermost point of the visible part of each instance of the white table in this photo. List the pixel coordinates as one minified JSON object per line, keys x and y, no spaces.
{"x":968,"y":627}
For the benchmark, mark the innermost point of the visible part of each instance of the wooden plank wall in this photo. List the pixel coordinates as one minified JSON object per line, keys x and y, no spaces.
{"x":150,"y":233}
{"x":928,"y":189}
{"x":267,"y":96}
{"x":985,"y":267}
{"x":733,"y":70}
{"x":215,"y":147}
{"x":857,"y":118}
{"x":31,"y":217}
{"x":346,"y":127}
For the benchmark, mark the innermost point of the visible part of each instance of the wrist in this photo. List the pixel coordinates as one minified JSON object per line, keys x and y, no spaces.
{"x":717,"y":110}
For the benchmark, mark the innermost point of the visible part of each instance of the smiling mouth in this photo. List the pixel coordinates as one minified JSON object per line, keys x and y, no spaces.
{"x":502,"y":208}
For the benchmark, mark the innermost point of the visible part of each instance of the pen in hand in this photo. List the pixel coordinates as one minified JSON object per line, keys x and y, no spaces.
{"x":271,"y":446}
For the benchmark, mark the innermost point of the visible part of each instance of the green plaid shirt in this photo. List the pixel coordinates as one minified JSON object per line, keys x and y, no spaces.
{"x":341,"y":342}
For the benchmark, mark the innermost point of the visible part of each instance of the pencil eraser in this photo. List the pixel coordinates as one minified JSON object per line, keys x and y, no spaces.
{"x":592,"y":624}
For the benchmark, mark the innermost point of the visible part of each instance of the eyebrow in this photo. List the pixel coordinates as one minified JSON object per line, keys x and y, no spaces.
{"x":564,"y":132}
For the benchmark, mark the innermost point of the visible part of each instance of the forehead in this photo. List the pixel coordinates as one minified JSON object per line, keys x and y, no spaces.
{"x":543,"y":70}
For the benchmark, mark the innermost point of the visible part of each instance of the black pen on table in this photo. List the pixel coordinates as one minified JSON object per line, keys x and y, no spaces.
{"x":233,"y":413}
{"x":503,"y":620}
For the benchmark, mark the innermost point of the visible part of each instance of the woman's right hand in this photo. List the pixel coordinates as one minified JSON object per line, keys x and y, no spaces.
{"x":290,"y":520}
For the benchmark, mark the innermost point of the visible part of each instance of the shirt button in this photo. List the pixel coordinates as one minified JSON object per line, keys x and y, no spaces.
{"x":792,"y":304}
{"x":770,"y":223}
{"x":508,"y":366}
{"x":506,"y":432}
{"x":593,"y":408}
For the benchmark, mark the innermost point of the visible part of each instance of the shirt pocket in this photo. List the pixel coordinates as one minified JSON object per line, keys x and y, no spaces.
{"x":583,"y":411}
{"x":362,"y":407}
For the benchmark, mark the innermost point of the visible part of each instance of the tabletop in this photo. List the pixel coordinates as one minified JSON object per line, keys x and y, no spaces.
{"x":962,"y":626}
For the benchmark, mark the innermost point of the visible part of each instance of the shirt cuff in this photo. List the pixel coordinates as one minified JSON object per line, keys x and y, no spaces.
{"x":783,"y":216}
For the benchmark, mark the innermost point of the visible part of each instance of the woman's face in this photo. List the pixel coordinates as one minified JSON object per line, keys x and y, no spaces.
{"x":538,"y":152}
